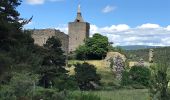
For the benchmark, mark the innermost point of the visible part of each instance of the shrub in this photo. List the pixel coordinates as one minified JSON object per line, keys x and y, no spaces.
{"x":68,"y":83}
{"x":20,"y":87}
{"x":7,"y":93}
{"x":125,"y":78}
{"x":48,"y":94}
{"x":159,"y":81}
{"x":85,"y":74}
{"x":138,"y":76}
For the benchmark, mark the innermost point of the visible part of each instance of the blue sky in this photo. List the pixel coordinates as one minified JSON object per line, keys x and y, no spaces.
{"x":125,"y":22}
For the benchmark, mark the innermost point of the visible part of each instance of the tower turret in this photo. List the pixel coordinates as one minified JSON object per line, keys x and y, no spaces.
{"x":79,"y":18}
{"x":78,"y":31}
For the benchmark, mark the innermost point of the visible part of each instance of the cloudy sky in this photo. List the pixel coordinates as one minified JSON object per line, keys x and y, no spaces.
{"x":125,"y":22}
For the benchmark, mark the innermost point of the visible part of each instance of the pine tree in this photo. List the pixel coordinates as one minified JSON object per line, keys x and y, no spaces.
{"x":53,"y":65}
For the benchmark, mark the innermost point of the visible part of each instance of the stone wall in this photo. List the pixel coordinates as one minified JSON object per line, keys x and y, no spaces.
{"x":78,"y":32}
{"x":40,"y":37}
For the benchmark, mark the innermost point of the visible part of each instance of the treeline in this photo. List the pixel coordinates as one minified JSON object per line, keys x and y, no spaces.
{"x":159,"y":54}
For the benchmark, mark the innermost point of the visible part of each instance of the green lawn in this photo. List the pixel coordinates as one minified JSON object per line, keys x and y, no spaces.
{"x":136,"y":94}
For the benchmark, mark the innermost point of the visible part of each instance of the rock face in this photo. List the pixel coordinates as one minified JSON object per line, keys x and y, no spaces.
{"x":116,"y":62}
{"x":40,"y":37}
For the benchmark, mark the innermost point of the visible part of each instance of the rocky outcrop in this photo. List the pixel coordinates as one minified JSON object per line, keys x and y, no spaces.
{"x":116,"y":62}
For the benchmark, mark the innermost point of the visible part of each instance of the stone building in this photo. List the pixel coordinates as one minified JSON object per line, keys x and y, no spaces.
{"x":151,"y":55}
{"x":78,"y":31}
{"x":40,"y":37}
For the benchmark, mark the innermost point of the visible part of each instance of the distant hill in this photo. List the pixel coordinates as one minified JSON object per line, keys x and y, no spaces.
{"x":160,"y":54}
{"x":137,"y":47}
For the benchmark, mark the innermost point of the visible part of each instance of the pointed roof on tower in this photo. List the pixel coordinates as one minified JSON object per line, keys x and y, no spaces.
{"x":79,"y":18}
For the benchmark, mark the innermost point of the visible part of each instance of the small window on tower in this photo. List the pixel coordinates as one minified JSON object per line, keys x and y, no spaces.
{"x":78,"y":20}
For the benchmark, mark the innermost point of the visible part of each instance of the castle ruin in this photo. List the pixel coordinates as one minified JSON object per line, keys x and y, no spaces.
{"x":40,"y":37}
{"x":78,"y":32}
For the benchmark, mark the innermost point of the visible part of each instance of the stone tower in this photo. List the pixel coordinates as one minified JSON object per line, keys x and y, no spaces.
{"x":151,"y":55}
{"x":78,"y":31}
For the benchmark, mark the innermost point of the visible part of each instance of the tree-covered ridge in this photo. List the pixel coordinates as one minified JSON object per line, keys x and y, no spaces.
{"x":159,"y":54}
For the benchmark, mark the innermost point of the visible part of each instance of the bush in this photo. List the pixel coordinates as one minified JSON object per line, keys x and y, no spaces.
{"x":69,"y":83}
{"x":138,"y":76}
{"x":49,"y":94}
{"x":125,"y":78}
{"x":85,"y":74}
{"x":20,"y":87}
{"x":7,"y":93}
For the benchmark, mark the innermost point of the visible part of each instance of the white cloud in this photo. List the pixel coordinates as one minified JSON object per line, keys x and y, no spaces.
{"x":35,"y":2}
{"x":149,"y":25}
{"x":166,"y":40}
{"x":63,"y":28}
{"x":122,"y":34}
{"x":149,"y":34}
{"x":108,"y":9}
{"x":168,"y":27}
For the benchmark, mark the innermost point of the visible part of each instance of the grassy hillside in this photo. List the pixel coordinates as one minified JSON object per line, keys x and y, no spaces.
{"x":108,"y":92}
{"x":160,"y":54}
{"x":106,"y":74}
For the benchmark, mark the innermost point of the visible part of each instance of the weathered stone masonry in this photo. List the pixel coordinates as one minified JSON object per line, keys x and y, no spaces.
{"x":78,"y":31}
{"x":40,"y":37}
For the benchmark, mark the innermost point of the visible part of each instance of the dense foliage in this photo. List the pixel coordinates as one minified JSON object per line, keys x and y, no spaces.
{"x":159,"y":82}
{"x":86,"y":75}
{"x":53,"y":63}
{"x":136,"y":55}
{"x":138,"y":75}
{"x":95,"y":47}
{"x":24,"y":65}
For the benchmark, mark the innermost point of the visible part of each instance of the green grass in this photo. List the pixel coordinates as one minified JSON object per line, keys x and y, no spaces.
{"x":135,"y":94}
{"x":107,"y":77}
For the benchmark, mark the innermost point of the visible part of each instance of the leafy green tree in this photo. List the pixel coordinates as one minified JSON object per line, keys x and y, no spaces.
{"x":10,"y":24}
{"x":15,"y":44}
{"x":81,"y":52}
{"x":138,"y":75}
{"x":159,"y":82}
{"x":53,"y":64}
{"x":85,"y":74}
{"x":95,"y":47}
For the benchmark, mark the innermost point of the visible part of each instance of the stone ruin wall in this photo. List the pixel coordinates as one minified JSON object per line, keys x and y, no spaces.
{"x":40,"y":37}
